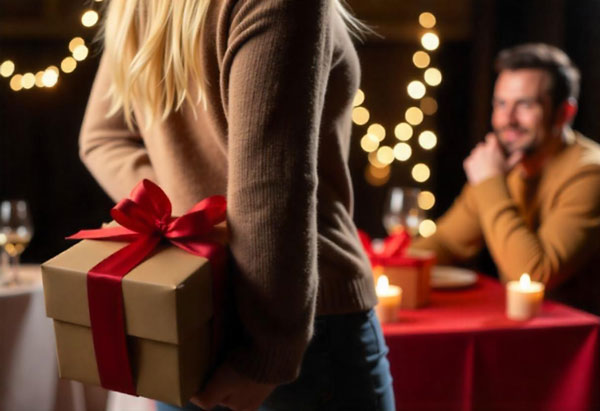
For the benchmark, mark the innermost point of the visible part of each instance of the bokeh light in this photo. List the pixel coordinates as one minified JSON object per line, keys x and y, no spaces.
{"x":80,"y":53}
{"x":359,"y":98}
{"x":416,"y":89}
{"x":426,"y":200}
{"x":76,"y":42}
{"x":421,"y":59}
{"x":369,"y":143}
{"x":427,"y":20}
{"x":403,"y":131}
{"x":414,"y":116}
{"x":7,"y":68}
{"x":89,"y":18}
{"x":427,"y":228}
{"x":377,"y":176}
{"x":15,"y":82}
{"x":385,"y":155}
{"x":377,"y":130}
{"x":28,"y":80}
{"x":420,"y":172}
{"x":360,"y":115}
{"x":402,"y":151}
{"x":433,"y":76}
{"x":428,"y":105}
{"x":430,"y":41}
{"x":427,"y":139}
{"x":39,"y":79}
{"x":68,"y":65}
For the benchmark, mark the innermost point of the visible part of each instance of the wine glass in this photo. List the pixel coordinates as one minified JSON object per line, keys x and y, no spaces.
{"x":402,"y":211}
{"x":16,"y":231}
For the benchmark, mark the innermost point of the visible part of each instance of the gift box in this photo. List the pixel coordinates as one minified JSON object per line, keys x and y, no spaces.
{"x":412,"y":273}
{"x":406,"y":268}
{"x":167,"y":313}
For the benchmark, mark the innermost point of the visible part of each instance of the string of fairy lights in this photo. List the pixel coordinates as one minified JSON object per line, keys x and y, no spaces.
{"x":48,"y":77}
{"x":381,"y":156}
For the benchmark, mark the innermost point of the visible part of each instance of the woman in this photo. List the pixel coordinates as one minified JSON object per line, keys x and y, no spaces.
{"x":252,"y":99}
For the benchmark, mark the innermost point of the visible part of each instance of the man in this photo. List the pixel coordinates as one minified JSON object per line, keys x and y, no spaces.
{"x":533,"y":190}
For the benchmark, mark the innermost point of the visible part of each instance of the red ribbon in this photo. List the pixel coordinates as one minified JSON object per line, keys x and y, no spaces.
{"x":392,"y":252}
{"x":145,"y":220}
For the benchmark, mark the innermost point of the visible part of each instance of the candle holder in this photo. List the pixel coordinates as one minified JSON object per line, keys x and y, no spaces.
{"x":390,"y":298}
{"x":523,"y":298}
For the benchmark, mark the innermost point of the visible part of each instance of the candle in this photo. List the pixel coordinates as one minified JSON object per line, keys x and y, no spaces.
{"x":523,"y":298}
{"x":390,"y":297}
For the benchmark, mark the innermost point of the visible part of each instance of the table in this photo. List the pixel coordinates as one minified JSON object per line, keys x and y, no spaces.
{"x":462,"y":353}
{"x":28,"y":371}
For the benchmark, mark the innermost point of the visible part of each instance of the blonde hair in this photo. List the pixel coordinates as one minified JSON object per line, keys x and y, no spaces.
{"x":152,"y":46}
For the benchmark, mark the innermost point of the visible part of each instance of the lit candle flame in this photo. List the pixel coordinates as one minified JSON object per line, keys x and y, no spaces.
{"x":383,"y":283}
{"x":525,"y":280}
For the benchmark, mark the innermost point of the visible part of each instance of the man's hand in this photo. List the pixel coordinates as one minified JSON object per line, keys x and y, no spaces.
{"x":487,"y":160}
{"x":229,"y":388}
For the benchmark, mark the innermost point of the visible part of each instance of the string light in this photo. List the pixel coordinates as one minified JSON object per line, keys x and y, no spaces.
{"x":427,"y":228}
{"x":403,"y":131}
{"x":421,"y":59}
{"x":414,"y":116}
{"x":7,"y":68}
{"x":28,"y":80}
{"x":433,"y":76}
{"x":421,"y":173}
{"x":402,"y":151}
{"x":380,"y":155}
{"x":385,"y":155}
{"x":369,"y":143}
{"x":427,"y":139}
{"x":359,"y":98}
{"x":377,"y":130}
{"x":360,"y":115}
{"x":46,"y":78}
{"x":416,"y":89}
{"x":89,"y":18}
{"x":426,"y":200}
{"x":430,"y":41}
{"x":427,"y":20}
{"x":428,"y":105}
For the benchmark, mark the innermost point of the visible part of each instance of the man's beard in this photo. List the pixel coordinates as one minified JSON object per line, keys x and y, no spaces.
{"x":527,"y":149}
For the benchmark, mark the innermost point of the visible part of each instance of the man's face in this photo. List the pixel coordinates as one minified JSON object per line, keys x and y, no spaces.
{"x":522,"y":110}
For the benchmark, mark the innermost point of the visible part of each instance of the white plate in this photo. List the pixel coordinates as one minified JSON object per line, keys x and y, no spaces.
{"x":443,"y":276}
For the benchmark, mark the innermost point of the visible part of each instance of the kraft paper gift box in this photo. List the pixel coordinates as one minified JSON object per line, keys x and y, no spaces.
{"x":411,"y":272}
{"x":408,"y":269}
{"x":168,"y":311}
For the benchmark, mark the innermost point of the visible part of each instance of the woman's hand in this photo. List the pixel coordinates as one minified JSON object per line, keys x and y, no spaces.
{"x":231,"y":389}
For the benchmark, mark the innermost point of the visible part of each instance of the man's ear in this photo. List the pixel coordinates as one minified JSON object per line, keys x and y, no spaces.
{"x":566,"y":112}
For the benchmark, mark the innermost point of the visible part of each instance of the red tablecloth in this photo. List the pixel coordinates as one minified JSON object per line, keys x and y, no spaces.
{"x":462,"y":353}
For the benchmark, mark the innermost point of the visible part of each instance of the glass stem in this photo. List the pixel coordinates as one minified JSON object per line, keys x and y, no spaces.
{"x":14,"y":266}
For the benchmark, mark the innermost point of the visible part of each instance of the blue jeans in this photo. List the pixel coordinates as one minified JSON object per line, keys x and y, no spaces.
{"x":344,"y":368}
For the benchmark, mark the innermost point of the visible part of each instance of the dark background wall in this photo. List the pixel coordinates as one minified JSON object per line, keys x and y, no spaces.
{"x":38,"y":128}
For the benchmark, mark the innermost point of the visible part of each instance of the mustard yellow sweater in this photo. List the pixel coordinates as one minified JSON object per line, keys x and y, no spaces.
{"x":274,"y":139}
{"x":547,"y":226}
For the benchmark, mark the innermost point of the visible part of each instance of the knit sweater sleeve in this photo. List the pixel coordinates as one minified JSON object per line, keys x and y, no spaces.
{"x":458,"y":236}
{"x":562,"y":243}
{"x":274,"y":76}
{"x":115,"y":155}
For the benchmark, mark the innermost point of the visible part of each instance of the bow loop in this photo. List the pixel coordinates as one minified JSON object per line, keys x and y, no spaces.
{"x":153,"y":199}
{"x":135,"y":217}
{"x":393,"y":246}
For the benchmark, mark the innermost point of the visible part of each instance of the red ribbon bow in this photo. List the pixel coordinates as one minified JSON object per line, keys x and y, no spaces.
{"x":145,"y":220}
{"x":392,"y":251}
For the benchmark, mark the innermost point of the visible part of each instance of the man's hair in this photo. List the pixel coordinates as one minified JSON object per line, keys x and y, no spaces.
{"x":563,"y":73}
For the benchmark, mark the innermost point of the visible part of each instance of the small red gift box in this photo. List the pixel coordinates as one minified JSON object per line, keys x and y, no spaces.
{"x":405,"y":268}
